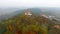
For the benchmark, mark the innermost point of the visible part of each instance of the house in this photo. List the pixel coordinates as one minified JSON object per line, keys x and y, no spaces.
{"x":57,"y":26}
{"x":44,"y":15}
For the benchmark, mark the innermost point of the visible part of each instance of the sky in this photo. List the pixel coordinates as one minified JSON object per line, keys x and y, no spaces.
{"x":29,"y":3}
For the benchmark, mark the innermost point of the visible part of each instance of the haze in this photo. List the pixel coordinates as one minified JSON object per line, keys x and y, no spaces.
{"x":29,"y":3}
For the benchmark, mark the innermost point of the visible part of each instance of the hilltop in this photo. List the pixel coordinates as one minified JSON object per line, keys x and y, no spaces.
{"x":6,"y":13}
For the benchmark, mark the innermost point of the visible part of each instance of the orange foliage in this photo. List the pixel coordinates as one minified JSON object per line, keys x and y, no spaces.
{"x":10,"y":27}
{"x":19,"y":32}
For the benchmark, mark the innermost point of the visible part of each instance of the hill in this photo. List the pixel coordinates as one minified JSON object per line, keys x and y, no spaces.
{"x":25,"y":24}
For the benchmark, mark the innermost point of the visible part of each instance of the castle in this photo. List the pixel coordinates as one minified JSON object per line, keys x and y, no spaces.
{"x":27,"y":12}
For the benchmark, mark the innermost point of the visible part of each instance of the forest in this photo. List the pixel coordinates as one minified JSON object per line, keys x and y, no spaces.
{"x":22,"y":24}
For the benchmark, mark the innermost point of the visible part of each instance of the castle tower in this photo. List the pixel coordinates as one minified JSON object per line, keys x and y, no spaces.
{"x":27,"y":12}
